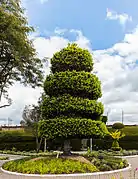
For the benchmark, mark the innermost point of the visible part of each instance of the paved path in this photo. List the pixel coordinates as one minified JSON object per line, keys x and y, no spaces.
{"x":126,"y":175}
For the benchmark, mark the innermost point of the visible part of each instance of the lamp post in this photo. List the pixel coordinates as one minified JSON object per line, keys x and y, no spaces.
{"x":122,"y":116}
{"x":91,"y":144}
{"x":107,"y":114}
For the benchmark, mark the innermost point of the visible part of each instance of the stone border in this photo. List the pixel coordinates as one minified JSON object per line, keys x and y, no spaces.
{"x":129,"y":156}
{"x":67,"y":175}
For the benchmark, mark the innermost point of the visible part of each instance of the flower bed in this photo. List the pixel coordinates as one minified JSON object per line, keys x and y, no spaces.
{"x":48,"y":165}
{"x":87,"y":163}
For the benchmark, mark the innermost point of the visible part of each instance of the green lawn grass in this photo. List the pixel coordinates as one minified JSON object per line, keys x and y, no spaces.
{"x":128,"y":130}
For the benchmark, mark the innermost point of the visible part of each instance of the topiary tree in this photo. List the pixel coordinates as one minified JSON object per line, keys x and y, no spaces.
{"x":116,"y":136}
{"x":70,"y":107}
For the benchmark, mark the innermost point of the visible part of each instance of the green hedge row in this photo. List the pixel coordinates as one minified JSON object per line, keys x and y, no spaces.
{"x":68,"y":105}
{"x":19,"y":146}
{"x":15,"y":136}
{"x":82,"y":84}
{"x":72,"y":58}
{"x":128,"y":142}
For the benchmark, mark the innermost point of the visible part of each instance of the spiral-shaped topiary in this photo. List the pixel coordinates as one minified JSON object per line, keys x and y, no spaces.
{"x":70,"y":107}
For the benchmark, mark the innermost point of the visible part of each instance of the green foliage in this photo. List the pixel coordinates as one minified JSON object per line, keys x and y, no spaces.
{"x":29,"y":153}
{"x":69,"y":127}
{"x":72,"y":58}
{"x":16,"y":139}
{"x":105,"y":161}
{"x":4,"y":158}
{"x":18,"y":61}
{"x":49,"y":165}
{"x":81,"y":84}
{"x":118,"y":125}
{"x":117,"y":135}
{"x":104,"y":119}
{"x":71,"y":106}
{"x":130,"y":130}
{"x":115,"y":144}
{"x":31,"y":116}
{"x":14,"y":136}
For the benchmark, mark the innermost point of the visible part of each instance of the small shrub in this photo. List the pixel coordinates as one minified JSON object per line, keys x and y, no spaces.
{"x":105,"y":167}
{"x":118,"y":125}
{"x":116,"y":148}
{"x":14,"y":149}
{"x":4,"y":158}
{"x":105,"y":161}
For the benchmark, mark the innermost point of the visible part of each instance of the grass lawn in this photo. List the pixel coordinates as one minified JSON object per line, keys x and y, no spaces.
{"x":128,"y":130}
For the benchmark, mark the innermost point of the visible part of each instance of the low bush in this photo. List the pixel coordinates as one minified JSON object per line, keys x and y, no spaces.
{"x":105,"y":161}
{"x":49,"y":165}
{"x":116,"y":148}
{"x":18,"y":146}
{"x":30,"y":153}
{"x":4,"y":158}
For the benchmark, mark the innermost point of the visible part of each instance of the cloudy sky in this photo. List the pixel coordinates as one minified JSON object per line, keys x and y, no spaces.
{"x":109,"y":29}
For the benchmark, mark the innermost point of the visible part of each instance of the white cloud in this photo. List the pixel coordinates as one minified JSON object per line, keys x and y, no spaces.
{"x":122,"y":18}
{"x":59,"y":31}
{"x":116,"y":68}
{"x":43,"y":1}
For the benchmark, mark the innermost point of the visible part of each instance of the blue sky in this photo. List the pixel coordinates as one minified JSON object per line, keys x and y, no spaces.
{"x":108,"y":29}
{"x":88,"y":16}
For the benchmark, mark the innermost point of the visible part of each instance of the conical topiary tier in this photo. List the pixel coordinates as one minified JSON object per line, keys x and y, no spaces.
{"x":70,"y":107}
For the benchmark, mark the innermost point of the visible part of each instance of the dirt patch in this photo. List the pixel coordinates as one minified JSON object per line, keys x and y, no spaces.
{"x":72,"y":157}
{"x":35,"y":159}
{"x":77,"y":158}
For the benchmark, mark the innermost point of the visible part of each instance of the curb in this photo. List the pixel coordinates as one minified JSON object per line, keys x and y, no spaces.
{"x":68,"y":175}
{"x":129,"y":156}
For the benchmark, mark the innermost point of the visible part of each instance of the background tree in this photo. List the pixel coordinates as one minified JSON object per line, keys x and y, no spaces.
{"x":70,"y":108}
{"x":31,"y":116}
{"x":18,"y":61}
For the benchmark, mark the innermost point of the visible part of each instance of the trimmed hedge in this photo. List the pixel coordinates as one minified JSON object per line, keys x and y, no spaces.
{"x":70,"y":127}
{"x":118,"y":125}
{"x":81,"y":84}
{"x":128,"y":143}
{"x":17,"y":139}
{"x":68,"y":105}
{"x":72,"y":58}
{"x":18,"y":146}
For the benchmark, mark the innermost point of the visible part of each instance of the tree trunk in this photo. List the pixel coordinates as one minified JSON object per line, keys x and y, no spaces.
{"x":44,"y":144}
{"x":66,"y":149}
{"x":38,"y":144}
